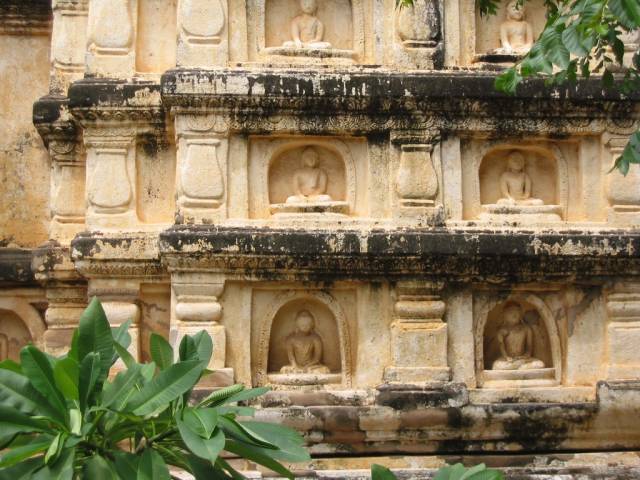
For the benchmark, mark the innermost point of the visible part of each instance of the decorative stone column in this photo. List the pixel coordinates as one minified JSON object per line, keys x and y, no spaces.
{"x":66,"y":198}
{"x":623,"y":192}
{"x":417,"y":181}
{"x":66,"y":293}
{"x":68,"y":43}
{"x":120,"y":300}
{"x":111,"y":38}
{"x":202,"y":33}
{"x":197,"y":307}
{"x":111,"y":186}
{"x":418,"y":335}
{"x":202,"y":165}
{"x":417,"y":32}
{"x":623,"y":331}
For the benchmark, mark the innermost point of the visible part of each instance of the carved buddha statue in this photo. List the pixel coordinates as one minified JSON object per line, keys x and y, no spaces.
{"x":515,"y":183}
{"x":516,"y":35}
{"x":304,"y":347}
{"x":307,"y":31}
{"x":309,"y":181}
{"x":515,"y":340}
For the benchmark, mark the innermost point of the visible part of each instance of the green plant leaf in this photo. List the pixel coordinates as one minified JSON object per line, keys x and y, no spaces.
{"x":17,"y":454}
{"x":168,"y":385}
{"x":61,"y":469}
{"x":17,"y":392}
{"x":152,"y":467}
{"x":116,"y":394}
{"x":473,"y":470}
{"x":9,"y":364}
{"x":627,"y":12}
{"x":22,"y":470}
{"x":56,"y":446}
{"x":98,"y":468}
{"x":12,"y":422}
{"x":202,"y":421}
{"x":94,"y":336}
{"x":126,"y":464}
{"x":37,"y":368}
{"x":246,"y":395}
{"x":289,"y":442}
{"x":487,"y":475}
{"x":65,"y":374}
{"x":246,"y":451}
{"x":90,"y":372}
{"x":378,"y":472}
{"x":161,"y":351}
{"x":124,"y":354}
{"x":207,"y":448}
{"x":244,"y":433}
{"x":219,"y":397}
{"x":508,"y":81}
{"x":196,"y":347}
{"x":122,"y":337}
{"x":451,"y":472}
{"x":205,"y":470}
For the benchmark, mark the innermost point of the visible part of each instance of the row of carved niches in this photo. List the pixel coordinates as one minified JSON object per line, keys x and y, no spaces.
{"x":316,"y":177}
{"x":302,"y":337}
{"x":521,"y":182}
{"x":517,"y":344}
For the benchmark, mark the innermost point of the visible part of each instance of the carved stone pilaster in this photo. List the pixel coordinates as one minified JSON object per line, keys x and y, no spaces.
{"x":197,"y":307}
{"x":60,"y":134}
{"x":111,"y":186}
{"x":202,"y":165}
{"x":66,"y":293}
{"x":111,"y":38}
{"x":202,"y":33}
{"x":417,"y":182}
{"x":623,"y":191}
{"x":418,"y":335}
{"x":623,"y":332}
{"x":417,"y":35}
{"x":68,"y":43}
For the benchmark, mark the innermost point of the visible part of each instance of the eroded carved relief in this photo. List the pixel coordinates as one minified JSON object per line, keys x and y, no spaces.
{"x":418,"y":25}
{"x":304,"y":347}
{"x":310,"y":30}
{"x":308,"y":179}
{"x":520,"y":184}
{"x":307,"y":31}
{"x":516,"y":34}
{"x":517,"y":343}
{"x":417,"y":181}
{"x":515,"y":340}
{"x":202,"y":33}
{"x":303,"y":340}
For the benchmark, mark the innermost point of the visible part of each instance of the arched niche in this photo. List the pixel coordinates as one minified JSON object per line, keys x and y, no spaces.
{"x":545,"y":166}
{"x":20,"y":324}
{"x":537,"y":316}
{"x":284,"y":158}
{"x":330,"y":325}
{"x":344,"y":29}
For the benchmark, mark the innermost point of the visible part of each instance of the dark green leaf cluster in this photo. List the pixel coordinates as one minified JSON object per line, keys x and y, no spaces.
{"x":65,"y":418}
{"x":452,"y":472}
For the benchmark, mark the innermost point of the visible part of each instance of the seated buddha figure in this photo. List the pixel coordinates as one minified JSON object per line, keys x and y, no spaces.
{"x":516,"y":35}
{"x":515,"y":340}
{"x":304,"y":347}
{"x":310,"y":181}
{"x":307,"y":31}
{"x":515,"y":183}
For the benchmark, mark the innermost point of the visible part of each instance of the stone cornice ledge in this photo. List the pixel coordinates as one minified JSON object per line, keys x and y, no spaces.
{"x":458,"y":255}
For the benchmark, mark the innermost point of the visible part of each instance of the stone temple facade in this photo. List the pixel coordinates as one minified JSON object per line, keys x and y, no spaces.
{"x":415,"y":263}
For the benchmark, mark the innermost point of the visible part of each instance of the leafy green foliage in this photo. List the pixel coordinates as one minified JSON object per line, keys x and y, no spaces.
{"x":64,"y":418}
{"x":452,"y":472}
{"x":581,"y":38}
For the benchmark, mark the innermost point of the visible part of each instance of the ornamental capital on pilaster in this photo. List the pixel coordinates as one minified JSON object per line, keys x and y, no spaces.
{"x":191,"y":124}
{"x":71,"y":5}
{"x":426,"y":137}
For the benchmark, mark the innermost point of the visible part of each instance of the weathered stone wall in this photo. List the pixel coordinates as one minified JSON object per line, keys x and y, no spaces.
{"x":414,"y":262}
